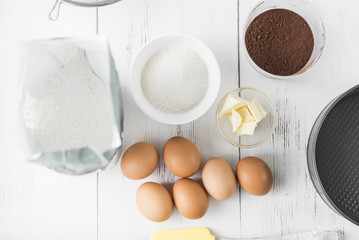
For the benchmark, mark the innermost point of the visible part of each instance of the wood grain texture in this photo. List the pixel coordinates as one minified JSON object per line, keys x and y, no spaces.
{"x":293,"y":205}
{"x":137,"y":22}
{"x":36,"y":203}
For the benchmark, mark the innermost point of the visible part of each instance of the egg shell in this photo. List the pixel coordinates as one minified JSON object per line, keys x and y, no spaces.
{"x":190,"y":198}
{"x":139,"y":160}
{"x":181,"y":157}
{"x":254,"y":176}
{"x":219,"y":179}
{"x":154,"y":202}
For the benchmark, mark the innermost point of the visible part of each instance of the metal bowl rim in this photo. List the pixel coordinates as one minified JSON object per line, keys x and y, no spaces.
{"x":96,"y":4}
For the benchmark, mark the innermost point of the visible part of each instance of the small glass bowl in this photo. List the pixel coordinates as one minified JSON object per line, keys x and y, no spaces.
{"x":264,"y":129}
{"x":307,"y":11}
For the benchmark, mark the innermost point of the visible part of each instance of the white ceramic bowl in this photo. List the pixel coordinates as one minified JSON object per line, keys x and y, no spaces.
{"x":147,"y":51}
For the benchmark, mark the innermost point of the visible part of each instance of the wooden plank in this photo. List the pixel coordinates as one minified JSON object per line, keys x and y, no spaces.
{"x":129,"y":24}
{"x":37,"y":203}
{"x":293,"y":205}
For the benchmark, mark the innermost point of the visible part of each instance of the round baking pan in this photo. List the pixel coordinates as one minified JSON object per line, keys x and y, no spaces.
{"x":333,"y":155}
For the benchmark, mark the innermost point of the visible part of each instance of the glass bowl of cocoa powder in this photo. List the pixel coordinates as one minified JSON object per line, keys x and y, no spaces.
{"x":284,"y":38}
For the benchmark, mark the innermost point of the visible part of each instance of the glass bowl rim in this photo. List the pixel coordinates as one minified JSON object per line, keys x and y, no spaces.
{"x":302,"y":71}
{"x":91,"y":4}
{"x":274,"y":125}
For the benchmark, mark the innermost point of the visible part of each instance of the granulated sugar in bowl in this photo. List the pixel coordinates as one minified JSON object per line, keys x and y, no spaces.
{"x":174,"y":79}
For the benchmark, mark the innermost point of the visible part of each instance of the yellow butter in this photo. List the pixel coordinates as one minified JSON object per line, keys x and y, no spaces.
{"x":236,"y":120}
{"x":199,"y":233}
{"x":256,"y":109}
{"x":232,"y":102}
{"x":247,"y":128}
{"x":246,"y":115}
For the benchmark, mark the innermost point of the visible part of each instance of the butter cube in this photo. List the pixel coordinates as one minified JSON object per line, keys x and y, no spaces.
{"x":246,"y":115}
{"x":236,"y":120}
{"x":247,"y":128}
{"x":232,"y":102}
{"x":257,"y":111}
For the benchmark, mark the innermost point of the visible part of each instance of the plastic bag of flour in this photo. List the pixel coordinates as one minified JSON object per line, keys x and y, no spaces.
{"x":70,"y":113}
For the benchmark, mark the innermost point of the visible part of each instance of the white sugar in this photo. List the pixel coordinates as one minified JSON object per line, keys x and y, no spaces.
{"x":72,"y":110}
{"x":175,"y":79}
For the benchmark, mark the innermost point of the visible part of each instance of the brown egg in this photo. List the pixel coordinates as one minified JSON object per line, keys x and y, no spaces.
{"x":254,"y":176}
{"x":219,"y":179}
{"x":190,"y":198}
{"x":154,"y":202}
{"x":139,"y":160}
{"x":181,"y":157}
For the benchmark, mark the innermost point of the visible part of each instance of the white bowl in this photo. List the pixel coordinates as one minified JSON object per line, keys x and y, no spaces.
{"x":147,"y":51}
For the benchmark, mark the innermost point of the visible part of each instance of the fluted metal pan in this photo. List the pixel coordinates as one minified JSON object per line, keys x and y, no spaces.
{"x":333,"y":155}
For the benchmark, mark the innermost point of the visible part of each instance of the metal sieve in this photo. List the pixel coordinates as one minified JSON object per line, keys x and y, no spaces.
{"x":333,"y":155}
{"x":55,"y":10}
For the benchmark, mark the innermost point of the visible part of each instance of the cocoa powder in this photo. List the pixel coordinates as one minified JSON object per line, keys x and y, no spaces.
{"x":279,"y":41}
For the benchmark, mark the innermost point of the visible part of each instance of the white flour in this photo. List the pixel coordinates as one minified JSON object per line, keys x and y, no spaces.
{"x":72,"y":110}
{"x":175,"y":79}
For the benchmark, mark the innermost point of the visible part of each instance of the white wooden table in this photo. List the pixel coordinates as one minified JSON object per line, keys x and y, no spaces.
{"x":36,"y":203}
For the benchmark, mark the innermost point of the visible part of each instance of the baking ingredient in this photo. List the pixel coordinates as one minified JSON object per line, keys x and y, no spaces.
{"x":232,"y":102}
{"x":201,"y":233}
{"x":139,"y":160}
{"x":254,"y":176}
{"x":247,"y":128}
{"x":175,"y":79}
{"x":181,"y":157}
{"x":256,"y":110}
{"x":219,"y":179}
{"x":244,"y":115}
{"x":198,"y":233}
{"x":72,"y":110}
{"x":236,"y":120}
{"x":154,"y":202}
{"x":279,"y":41}
{"x":190,"y":198}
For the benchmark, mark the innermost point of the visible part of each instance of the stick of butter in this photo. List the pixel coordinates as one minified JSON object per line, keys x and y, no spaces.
{"x":199,"y":233}
{"x":232,"y":102}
